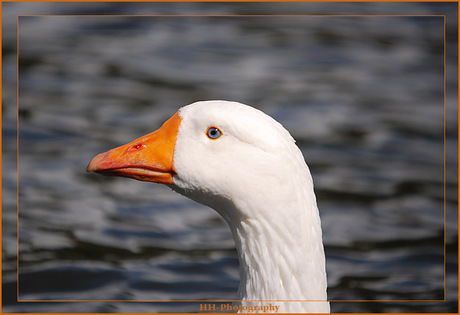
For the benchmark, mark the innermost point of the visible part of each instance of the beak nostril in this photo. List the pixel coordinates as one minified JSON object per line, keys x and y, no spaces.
{"x":136,"y":147}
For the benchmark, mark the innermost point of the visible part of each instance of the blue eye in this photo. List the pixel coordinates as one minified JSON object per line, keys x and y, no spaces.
{"x":213,"y":133}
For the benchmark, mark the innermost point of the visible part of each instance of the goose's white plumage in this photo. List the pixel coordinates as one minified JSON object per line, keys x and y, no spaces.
{"x":256,"y":178}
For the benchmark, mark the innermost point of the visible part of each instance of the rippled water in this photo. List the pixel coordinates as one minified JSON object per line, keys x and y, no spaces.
{"x":363,"y":95}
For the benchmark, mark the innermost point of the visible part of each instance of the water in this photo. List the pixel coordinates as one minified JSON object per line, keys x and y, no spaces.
{"x":362,"y":95}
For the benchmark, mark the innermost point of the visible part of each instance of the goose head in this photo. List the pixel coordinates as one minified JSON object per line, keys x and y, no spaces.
{"x":214,"y":152}
{"x":246,"y":166}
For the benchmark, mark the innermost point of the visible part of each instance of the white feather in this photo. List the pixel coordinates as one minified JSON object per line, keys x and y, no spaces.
{"x":256,"y":178}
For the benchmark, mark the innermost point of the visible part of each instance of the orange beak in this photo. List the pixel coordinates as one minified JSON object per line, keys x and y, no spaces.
{"x":149,"y":158}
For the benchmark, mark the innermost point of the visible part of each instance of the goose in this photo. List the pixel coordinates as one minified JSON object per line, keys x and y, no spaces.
{"x":245,"y":165}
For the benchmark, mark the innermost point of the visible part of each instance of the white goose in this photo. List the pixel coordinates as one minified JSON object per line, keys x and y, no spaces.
{"x":245,"y":165}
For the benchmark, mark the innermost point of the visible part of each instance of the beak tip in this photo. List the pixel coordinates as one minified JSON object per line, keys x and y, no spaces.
{"x":94,"y":164}
{"x":89,"y":168}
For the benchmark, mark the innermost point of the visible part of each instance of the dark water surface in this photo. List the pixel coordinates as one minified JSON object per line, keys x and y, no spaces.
{"x":363,"y":95}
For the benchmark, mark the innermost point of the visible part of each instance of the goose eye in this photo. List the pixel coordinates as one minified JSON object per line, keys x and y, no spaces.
{"x":213,"y":133}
